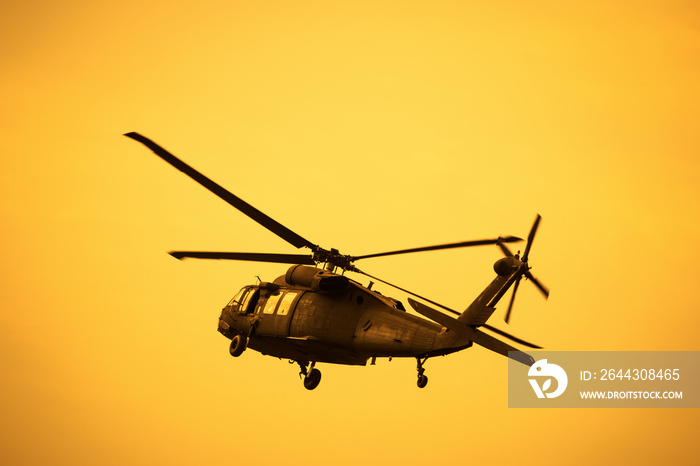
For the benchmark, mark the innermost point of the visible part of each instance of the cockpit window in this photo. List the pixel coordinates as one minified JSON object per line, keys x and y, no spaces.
{"x":237,"y":299}
{"x":234,"y":304}
{"x":249,"y":301}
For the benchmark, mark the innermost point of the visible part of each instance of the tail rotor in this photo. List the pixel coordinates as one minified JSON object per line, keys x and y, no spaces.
{"x":526,"y":273}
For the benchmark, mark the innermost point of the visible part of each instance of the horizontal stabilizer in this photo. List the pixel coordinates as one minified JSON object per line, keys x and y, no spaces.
{"x":472,"y":334}
{"x":437,"y":316}
{"x":494,"y":344}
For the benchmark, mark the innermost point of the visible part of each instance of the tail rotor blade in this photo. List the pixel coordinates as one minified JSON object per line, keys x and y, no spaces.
{"x":531,"y":237}
{"x":512,"y":300}
{"x":524,"y":268}
{"x":543,"y":289}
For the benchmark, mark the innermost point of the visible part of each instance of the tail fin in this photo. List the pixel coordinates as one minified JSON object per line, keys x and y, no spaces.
{"x":509,"y":270}
{"x":472,"y":334}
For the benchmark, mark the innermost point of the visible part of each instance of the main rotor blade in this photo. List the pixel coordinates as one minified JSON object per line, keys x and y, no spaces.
{"x":531,"y":237}
{"x":272,"y":225}
{"x":245,"y":256}
{"x":511,"y":337}
{"x":406,"y":291}
{"x":462,"y":244}
{"x":505,"y":249}
{"x":543,"y":289}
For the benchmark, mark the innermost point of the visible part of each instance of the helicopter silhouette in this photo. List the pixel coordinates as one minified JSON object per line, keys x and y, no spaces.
{"x":312,"y":314}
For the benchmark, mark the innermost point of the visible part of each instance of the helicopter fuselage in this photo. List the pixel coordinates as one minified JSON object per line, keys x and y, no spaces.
{"x":346,"y":325}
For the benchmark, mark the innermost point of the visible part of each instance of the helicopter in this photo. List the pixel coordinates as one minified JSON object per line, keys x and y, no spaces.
{"x":314,"y":313}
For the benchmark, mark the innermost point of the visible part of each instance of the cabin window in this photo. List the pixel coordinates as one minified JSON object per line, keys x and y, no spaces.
{"x":271,"y":304}
{"x":286,"y":304}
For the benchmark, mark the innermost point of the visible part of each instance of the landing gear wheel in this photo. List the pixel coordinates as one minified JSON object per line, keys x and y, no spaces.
{"x":422,"y":379}
{"x":312,"y":380}
{"x":238,"y":344}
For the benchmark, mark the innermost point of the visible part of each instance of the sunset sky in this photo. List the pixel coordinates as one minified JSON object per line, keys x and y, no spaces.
{"x":364,"y":126}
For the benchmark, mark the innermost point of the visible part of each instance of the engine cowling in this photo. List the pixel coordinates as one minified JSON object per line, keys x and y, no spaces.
{"x":316,"y":279}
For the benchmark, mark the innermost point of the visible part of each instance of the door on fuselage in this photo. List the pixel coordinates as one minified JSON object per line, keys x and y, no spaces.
{"x":276,"y":313}
{"x":244,"y":302}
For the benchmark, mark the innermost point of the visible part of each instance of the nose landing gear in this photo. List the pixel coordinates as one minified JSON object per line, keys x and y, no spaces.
{"x":238,"y":344}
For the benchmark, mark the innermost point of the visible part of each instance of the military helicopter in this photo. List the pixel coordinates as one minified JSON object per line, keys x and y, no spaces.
{"x":312,"y":314}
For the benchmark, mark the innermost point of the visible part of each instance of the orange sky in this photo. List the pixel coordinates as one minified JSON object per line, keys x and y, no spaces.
{"x":364,"y":126}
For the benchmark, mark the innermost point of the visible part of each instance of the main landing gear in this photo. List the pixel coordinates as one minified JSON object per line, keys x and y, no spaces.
{"x":422,"y":379}
{"x":312,"y":377}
